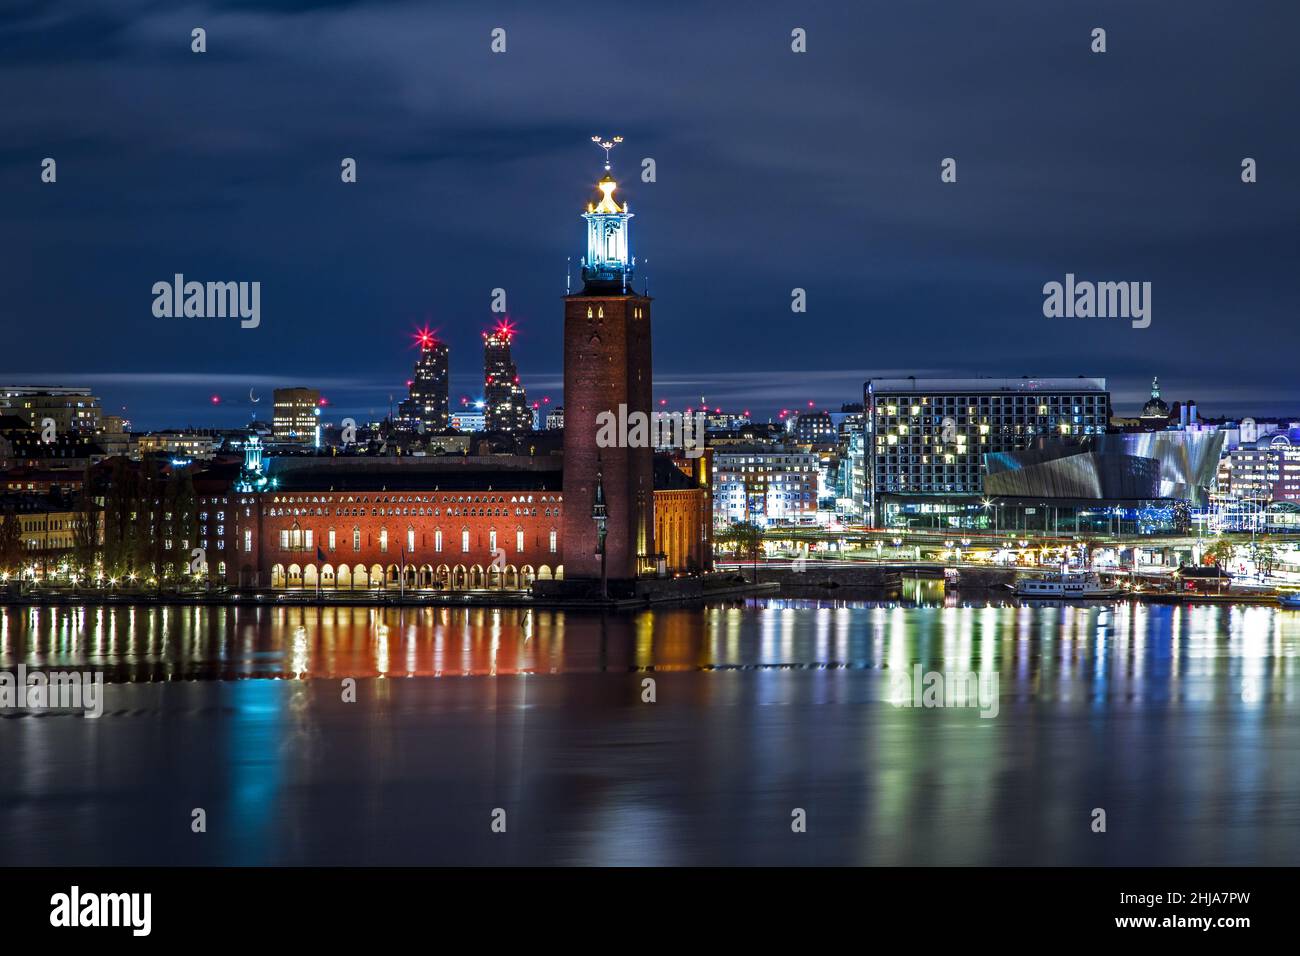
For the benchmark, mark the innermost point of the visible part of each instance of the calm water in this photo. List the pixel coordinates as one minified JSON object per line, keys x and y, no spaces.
{"x":1183,"y":724}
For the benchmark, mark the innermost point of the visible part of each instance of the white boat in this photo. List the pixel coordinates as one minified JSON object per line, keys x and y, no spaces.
{"x":1061,"y":585}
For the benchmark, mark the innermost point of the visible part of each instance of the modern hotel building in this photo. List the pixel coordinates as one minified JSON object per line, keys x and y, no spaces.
{"x":926,"y":438}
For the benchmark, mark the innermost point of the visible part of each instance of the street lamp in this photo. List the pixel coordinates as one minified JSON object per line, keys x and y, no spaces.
{"x":599,"y":515}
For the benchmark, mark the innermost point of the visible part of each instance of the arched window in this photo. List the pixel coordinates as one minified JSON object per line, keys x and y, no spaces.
{"x":383,"y":539}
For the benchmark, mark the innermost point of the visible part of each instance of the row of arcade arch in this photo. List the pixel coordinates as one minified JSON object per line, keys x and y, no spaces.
{"x":412,"y":577}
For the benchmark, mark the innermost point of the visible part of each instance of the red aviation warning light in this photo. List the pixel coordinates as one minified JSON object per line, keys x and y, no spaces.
{"x":504,"y":330}
{"x":426,"y":337}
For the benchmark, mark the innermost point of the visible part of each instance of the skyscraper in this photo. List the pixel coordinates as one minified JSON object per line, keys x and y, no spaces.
{"x":506,"y":408}
{"x":425,"y":409}
{"x":296,"y":416}
{"x":607,"y":364}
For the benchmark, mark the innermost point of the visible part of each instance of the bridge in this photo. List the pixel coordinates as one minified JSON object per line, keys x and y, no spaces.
{"x":922,"y":548}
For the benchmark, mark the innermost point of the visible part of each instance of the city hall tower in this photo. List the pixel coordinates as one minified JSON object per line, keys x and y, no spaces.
{"x":607,"y":369}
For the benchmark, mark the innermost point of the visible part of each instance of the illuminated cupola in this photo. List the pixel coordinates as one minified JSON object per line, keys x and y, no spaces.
{"x":608,"y":265}
{"x":252,"y":477}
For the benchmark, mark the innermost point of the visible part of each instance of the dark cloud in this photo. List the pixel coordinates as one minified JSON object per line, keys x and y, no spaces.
{"x":775,"y":170}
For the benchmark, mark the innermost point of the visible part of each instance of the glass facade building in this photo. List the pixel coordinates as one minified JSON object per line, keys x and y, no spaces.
{"x":928,"y":437}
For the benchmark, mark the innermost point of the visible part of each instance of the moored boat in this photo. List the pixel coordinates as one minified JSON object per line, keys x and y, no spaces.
{"x":1062,"y":586}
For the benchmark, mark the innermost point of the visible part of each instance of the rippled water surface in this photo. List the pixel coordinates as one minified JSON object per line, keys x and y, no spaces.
{"x":1182,"y":724}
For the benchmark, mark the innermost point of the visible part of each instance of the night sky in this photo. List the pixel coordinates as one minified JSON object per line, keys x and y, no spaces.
{"x":775,"y":170}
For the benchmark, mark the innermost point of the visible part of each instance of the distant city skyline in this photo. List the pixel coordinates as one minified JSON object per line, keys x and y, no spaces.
{"x":176,"y":400}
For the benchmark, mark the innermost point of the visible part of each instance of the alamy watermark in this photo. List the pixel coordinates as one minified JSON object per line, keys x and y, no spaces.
{"x":624,"y":429}
{"x":945,"y":689}
{"x":133,"y":911}
{"x":209,"y":300}
{"x":1101,"y":300}
{"x":59,"y":690}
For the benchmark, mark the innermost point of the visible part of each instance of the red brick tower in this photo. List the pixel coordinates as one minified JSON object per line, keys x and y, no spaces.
{"x":607,"y":370}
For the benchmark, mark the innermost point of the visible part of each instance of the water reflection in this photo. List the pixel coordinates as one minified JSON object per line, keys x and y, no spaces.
{"x":1135,"y":651}
{"x":1180,"y":721}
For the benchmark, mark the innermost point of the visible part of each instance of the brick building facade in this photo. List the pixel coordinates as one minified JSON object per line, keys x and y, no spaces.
{"x":607,"y":365}
{"x":448,"y":523}
{"x":684,"y":512}
{"x":358,"y":524}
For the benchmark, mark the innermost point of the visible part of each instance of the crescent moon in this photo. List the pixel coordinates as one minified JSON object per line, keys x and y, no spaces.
{"x":251,"y":398}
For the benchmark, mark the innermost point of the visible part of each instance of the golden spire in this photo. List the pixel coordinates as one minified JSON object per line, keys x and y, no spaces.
{"x":606,"y":204}
{"x":607,"y":185}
